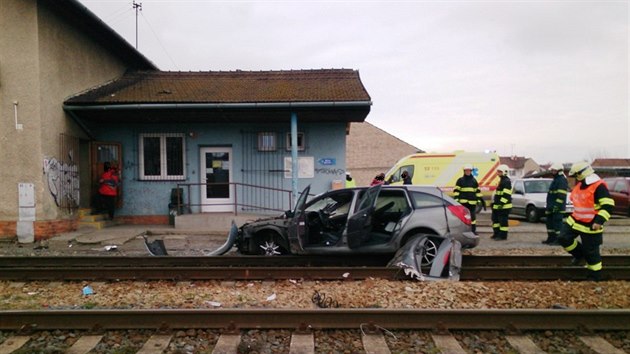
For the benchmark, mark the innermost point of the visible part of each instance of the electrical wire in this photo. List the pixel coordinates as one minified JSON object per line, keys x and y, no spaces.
{"x":159,"y":42}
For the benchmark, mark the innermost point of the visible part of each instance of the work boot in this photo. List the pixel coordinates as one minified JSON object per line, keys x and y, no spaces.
{"x":500,"y":238}
{"x":551,"y":241}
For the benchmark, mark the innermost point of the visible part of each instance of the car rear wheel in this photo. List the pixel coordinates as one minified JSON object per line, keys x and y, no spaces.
{"x":426,"y":251}
{"x":532,"y":214}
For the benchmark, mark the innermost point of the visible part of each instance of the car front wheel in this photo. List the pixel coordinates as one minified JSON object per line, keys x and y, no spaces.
{"x":532,"y":214}
{"x":267,"y":244}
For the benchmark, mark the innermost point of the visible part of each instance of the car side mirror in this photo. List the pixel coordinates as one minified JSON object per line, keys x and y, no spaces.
{"x":288,"y":214}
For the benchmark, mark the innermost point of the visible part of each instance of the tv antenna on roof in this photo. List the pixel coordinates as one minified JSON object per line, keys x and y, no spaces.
{"x":137,"y":7}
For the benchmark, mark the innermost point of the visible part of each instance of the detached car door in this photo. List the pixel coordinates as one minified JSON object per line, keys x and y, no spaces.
{"x":298,"y":229}
{"x":360,"y":223}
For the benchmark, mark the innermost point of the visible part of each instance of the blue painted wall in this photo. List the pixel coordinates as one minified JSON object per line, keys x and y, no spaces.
{"x":325,"y":142}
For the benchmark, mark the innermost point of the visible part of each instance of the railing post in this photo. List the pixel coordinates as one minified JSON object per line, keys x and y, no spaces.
{"x":235,"y":200}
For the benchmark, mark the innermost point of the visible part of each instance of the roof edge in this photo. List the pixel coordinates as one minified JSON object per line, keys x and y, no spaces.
{"x":135,"y":106}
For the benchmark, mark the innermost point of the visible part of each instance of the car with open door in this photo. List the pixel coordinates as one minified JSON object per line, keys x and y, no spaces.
{"x":420,"y":226}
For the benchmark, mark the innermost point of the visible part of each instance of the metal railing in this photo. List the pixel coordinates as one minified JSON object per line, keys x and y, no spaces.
{"x":247,"y":197}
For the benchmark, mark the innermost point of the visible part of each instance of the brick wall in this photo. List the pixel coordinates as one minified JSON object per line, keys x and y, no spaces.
{"x":371,"y":150}
{"x":143,"y":220}
{"x":42,"y":229}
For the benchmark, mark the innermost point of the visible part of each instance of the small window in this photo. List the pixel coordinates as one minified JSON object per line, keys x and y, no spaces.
{"x":266,"y":141}
{"x":300,"y":141}
{"x":423,"y":200}
{"x":162,"y":157}
{"x":396,"y":175}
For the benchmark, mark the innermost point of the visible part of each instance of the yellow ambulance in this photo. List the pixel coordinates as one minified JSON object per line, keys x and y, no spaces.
{"x":443,"y":170}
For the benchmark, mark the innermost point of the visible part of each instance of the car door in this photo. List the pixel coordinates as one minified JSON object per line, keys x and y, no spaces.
{"x":619,"y":190}
{"x":360,"y":223}
{"x":298,"y":229}
{"x":518,"y":198}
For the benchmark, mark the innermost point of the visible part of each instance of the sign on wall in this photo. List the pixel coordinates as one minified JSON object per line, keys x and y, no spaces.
{"x":306,"y":167}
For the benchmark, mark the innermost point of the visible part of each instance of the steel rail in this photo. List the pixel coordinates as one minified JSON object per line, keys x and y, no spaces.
{"x":263,"y":261}
{"x":306,"y":273}
{"x":489,"y":319}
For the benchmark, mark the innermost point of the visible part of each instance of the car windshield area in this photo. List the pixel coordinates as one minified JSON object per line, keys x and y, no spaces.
{"x":541,"y":186}
{"x":327,"y":217}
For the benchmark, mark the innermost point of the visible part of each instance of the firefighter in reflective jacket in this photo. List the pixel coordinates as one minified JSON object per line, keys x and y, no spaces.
{"x":556,"y":204}
{"x":501,"y":205}
{"x":467,"y":193}
{"x":592,"y":207}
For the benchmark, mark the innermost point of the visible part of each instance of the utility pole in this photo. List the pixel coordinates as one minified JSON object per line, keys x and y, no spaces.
{"x":137,"y":7}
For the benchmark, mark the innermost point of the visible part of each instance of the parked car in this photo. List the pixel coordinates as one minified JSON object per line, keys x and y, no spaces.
{"x":619,"y":188}
{"x":420,"y":226}
{"x":529,"y":198}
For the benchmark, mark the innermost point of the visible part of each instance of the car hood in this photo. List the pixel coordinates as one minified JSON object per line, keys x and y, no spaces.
{"x":538,"y":197}
{"x":280,"y":220}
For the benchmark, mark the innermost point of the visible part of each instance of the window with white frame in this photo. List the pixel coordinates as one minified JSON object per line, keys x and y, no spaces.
{"x":300,"y":141}
{"x":162,"y":156}
{"x":267,"y":141}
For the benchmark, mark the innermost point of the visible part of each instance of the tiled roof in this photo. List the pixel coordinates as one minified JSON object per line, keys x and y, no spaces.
{"x":326,"y":85}
{"x":513,"y":162}
{"x":623,"y":163}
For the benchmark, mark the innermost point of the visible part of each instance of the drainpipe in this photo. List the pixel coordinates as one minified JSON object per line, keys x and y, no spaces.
{"x":294,"y":157}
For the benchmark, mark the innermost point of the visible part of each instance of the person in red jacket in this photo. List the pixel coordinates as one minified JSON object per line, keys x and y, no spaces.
{"x":108,"y":189}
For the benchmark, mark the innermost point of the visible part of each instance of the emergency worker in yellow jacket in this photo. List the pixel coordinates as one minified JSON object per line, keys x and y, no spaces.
{"x":592,"y":207}
{"x":467,"y":193}
{"x":501,"y":205}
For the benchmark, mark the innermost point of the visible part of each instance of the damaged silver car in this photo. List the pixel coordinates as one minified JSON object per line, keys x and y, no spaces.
{"x":423,"y":229}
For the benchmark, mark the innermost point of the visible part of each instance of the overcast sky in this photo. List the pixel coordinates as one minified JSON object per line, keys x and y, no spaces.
{"x":534,"y":78}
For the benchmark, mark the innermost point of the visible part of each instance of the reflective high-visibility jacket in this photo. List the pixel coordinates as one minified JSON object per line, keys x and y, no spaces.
{"x":467,"y":191}
{"x":592,"y":204}
{"x":557,"y":195}
{"x":503,"y":195}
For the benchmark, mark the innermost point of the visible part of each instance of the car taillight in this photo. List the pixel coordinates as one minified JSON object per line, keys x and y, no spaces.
{"x":461,"y":212}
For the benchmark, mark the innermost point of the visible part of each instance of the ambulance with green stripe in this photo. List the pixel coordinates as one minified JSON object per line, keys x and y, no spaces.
{"x":443,"y":170}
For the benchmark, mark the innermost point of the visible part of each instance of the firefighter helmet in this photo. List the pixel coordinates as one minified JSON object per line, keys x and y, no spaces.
{"x":557,"y":166}
{"x":581,"y":170}
{"x":467,"y":167}
{"x":503,"y":168}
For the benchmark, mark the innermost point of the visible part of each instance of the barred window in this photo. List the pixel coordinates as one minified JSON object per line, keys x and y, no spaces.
{"x":267,"y":141}
{"x":162,"y":157}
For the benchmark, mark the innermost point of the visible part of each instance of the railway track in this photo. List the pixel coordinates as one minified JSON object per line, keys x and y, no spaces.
{"x":447,"y":331}
{"x":289,"y":267}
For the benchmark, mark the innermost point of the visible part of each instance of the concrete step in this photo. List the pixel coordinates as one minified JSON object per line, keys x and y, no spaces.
{"x":99,"y":224}
{"x":85,"y":211}
{"x":93,"y":218}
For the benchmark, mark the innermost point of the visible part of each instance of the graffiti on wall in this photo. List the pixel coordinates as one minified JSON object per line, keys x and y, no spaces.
{"x":63,"y":182}
{"x":330,"y":171}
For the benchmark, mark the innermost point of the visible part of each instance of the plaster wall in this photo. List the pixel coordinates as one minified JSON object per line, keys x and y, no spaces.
{"x":324,"y":141}
{"x":43,"y":60}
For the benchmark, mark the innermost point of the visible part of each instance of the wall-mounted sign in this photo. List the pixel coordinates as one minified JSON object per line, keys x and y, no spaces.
{"x":327,"y":161}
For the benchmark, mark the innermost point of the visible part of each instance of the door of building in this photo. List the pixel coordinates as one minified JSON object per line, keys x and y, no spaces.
{"x":217,"y":194}
{"x":101,"y":152}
